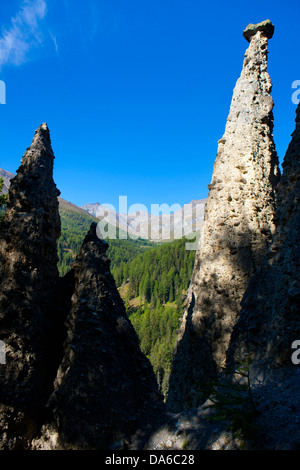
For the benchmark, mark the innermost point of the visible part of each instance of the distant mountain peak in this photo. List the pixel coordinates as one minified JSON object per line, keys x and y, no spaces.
{"x":7,"y":176}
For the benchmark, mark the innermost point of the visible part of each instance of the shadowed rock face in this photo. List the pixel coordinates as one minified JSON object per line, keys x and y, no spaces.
{"x":75,"y":377}
{"x":238,"y":225}
{"x":269,"y":321}
{"x":105,"y":389}
{"x":28,"y":280}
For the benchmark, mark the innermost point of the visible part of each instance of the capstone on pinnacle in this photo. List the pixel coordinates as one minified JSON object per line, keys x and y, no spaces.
{"x":265,"y":27}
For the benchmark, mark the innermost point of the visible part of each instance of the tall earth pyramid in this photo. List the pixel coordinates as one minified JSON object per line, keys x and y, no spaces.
{"x":238,"y":224}
{"x":28,"y":282}
{"x":105,"y":392}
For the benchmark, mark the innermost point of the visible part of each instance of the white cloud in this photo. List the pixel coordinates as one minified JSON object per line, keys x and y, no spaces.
{"x":54,"y":41}
{"x":23,"y":34}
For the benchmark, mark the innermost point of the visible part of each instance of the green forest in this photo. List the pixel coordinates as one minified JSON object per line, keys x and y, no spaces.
{"x":74,"y":226}
{"x":3,"y":198}
{"x":154,"y":294}
{"x":152,"y":280}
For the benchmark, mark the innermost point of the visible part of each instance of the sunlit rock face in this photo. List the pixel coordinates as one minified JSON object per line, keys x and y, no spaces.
{"x":238,"y":224}
{"x":269,"y":321}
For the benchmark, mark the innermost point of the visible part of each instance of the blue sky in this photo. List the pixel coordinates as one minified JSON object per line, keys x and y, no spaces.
{"x":136,"y":93}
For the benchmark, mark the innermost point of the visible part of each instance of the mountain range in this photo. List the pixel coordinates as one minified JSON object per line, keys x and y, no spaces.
{"x":163,"y":227}
{"x":140,"y":224}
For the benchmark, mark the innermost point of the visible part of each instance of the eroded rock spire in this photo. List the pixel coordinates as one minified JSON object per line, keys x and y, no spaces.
{"x":105,"y":390}
{"x":28,"y":278}
{"x":238,"y":225}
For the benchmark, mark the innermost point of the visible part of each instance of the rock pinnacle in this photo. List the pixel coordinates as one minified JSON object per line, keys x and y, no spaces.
{"x":238,"y":224}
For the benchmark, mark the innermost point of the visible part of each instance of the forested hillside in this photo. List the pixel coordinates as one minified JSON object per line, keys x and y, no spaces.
{"x":154,"y":290}
{"x":2,"y":200}
{"x":152,"y":281}
{"x":75,"y":224}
